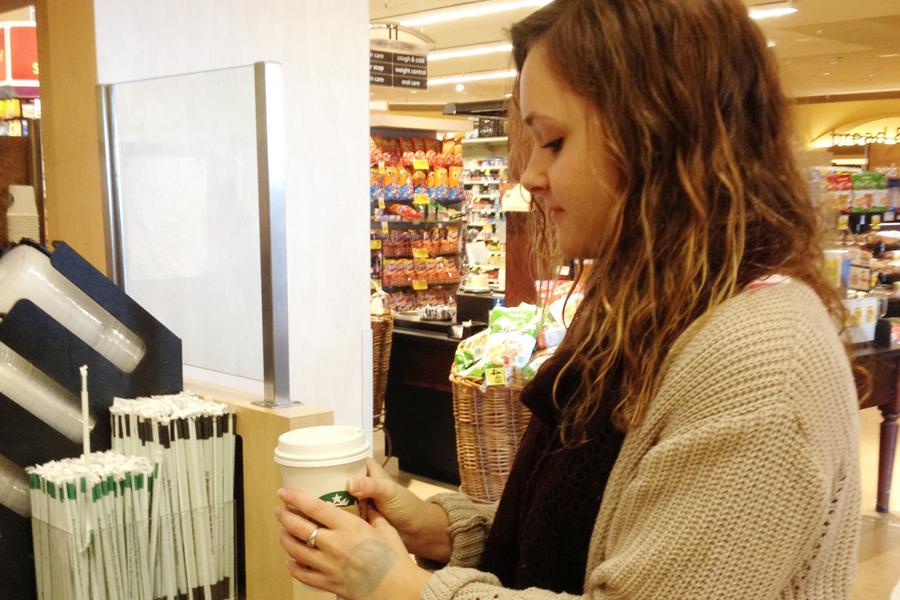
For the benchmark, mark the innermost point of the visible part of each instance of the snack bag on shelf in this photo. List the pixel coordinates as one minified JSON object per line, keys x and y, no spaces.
{"x":893,"y":193}
{"x":376,"y":188}
{"x":419,"y":182}
{"x":407,"y":212}
{"x":376,"y":267}
{"x":452,"y":240}
{"x":405,"y":183}
{"x":391,"y":189}
{"x":841,"y":199}
{"x":458,"y":154}
{"x":441,"y":179}
{"x":374,"y":152}
{"x":837,"y":182}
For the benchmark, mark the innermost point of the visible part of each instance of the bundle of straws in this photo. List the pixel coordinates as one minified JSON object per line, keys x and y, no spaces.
{"x":93,"y":526}
{"x":193,"y":442}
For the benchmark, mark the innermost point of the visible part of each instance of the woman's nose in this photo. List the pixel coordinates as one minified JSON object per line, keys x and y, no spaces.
{"x":534,"y":178}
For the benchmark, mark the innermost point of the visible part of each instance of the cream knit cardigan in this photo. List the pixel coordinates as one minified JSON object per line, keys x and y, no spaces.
{"x":742,"y":481}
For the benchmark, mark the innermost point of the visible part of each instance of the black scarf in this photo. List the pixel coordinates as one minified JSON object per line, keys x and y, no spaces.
{"x":542,"y":530}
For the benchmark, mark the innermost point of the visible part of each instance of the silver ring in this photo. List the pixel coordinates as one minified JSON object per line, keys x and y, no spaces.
{"x":311,"y":541}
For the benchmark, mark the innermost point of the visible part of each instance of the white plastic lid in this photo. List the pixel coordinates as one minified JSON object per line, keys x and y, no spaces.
{"x":323,"y":446}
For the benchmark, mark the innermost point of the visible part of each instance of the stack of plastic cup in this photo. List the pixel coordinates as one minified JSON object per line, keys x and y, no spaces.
{"x":26,"y":273}
{"x":30,"y":388}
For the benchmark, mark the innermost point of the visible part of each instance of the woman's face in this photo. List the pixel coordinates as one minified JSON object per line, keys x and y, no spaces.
{"x":567,"y":173}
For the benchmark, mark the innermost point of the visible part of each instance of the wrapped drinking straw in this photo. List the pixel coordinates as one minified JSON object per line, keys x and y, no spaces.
{"x":90,"y":515}
{"x":191,"y":542}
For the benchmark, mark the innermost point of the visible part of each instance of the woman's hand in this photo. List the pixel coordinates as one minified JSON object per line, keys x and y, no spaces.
{"x":352,"y":558}
{"x":422,"y":526}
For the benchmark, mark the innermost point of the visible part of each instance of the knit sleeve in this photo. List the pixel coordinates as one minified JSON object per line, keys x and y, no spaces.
{"x":747,"y":498}
{"x":470,"y":523}
{"x":719,"y":512}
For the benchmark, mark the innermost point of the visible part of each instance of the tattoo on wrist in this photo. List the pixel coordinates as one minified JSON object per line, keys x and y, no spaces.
{"x":366,"y":566}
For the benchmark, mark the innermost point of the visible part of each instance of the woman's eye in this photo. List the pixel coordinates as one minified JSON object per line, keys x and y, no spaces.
{"x":555,"y":145}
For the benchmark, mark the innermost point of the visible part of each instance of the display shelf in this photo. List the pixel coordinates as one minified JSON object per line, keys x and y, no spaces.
{"x":866,"y":211}
{"x":395,"y":286}
{"x":412,"y":201}
{"x":400,"y":166}
{"x":483,"y":182}
{"x":418,"y":224}
{"x":430,"y":255}
{"x":488,"y":140}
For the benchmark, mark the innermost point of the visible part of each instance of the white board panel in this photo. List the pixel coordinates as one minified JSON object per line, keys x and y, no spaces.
{"x":190,"y":212}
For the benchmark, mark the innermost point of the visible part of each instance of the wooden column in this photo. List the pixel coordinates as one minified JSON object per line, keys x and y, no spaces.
{"x":520,"y":271}
{"x":68,"y":62}
{"x":259,"y":428}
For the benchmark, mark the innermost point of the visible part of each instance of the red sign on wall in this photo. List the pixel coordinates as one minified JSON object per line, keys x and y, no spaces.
{"x":23,"y":53}
{"x":2,"y":55}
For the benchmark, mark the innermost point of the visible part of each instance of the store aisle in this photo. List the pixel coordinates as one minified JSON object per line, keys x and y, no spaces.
{"x":879,"y":552}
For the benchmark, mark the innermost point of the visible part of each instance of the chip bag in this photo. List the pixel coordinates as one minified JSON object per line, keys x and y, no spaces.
{"x":525,"y":318}
{"x":470,"y":350}
{"x":508,"y":349}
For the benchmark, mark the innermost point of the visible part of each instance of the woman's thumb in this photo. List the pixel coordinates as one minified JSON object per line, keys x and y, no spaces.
{"x":379,"y":490}
{"x":376,"y":470}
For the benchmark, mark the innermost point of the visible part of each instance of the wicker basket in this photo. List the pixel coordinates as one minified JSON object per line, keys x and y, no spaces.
{"x":382,"y":333}
{"x":489,"y":427}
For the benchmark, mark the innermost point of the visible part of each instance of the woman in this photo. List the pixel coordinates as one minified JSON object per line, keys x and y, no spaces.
{"x":696,"y":434}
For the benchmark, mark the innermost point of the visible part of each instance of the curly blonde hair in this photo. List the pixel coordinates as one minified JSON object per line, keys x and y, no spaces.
{"x":697,"y":131}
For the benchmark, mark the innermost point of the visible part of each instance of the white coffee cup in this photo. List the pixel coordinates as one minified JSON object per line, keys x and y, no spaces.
{"x":320,"y":460}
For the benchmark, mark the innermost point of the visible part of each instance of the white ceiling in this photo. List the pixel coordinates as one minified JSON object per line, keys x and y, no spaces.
{"x":827,"y":47}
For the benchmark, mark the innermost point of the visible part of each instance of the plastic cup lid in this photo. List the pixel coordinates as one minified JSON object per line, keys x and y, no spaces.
{"x":323,"y":446}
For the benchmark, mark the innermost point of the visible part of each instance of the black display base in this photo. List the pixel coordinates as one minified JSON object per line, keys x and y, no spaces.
{"x":419,"y":404}
{"x":25,"y":439}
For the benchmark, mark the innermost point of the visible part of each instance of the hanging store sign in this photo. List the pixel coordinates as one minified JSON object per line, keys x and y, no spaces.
{"x":867,"y":137}
{"x":19,"y":58}
{"x":398,"y":64}
{"x":2,"y":55}
{"x":882,"y":131}
{"x":23,"y":54}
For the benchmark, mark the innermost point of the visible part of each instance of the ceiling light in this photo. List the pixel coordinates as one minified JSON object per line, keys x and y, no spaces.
{"x":891,"y":55}
{"x":459,"y":87}
{"x":471,"y":51}
{"x":474,"y":77}
{"x":771,"y":44}
{"x":507,"y":95}
{"x":772,"y":10}
{"x":454,"y":14}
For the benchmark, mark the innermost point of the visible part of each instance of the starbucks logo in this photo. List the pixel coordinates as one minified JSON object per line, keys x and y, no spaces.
{"x":339,"y":499}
